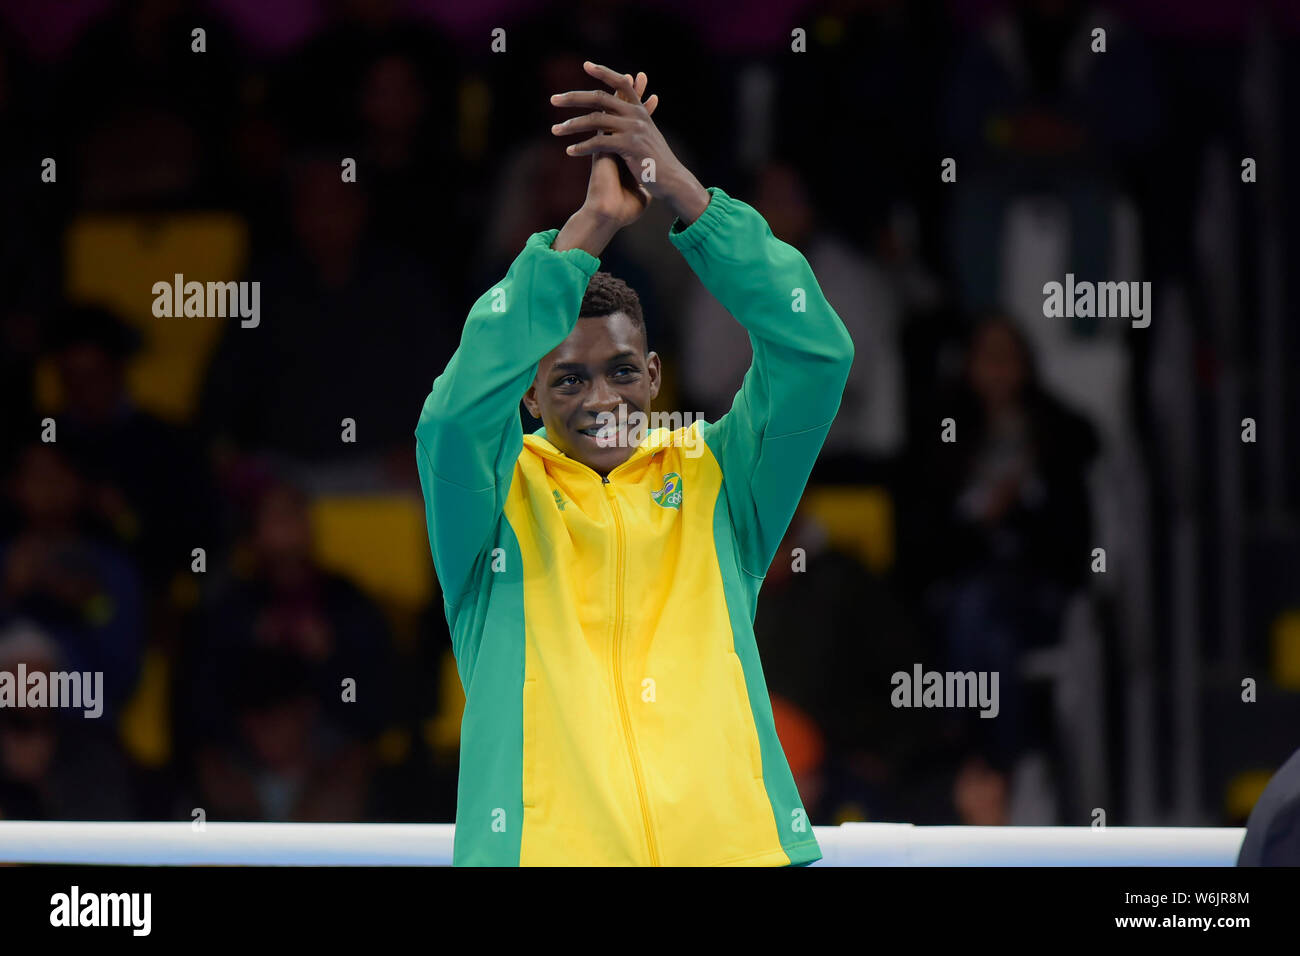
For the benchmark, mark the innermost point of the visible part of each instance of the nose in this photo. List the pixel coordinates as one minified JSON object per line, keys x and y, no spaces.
{"x":602,"y":397}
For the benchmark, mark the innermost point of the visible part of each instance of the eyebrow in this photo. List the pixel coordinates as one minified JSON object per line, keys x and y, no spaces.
{"x":581,"y":367}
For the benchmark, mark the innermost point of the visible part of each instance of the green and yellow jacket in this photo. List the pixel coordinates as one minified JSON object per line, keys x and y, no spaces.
{"x":616,"y":711}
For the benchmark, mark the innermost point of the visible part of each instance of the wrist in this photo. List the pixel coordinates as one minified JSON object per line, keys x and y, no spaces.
{"x":686,"y":195}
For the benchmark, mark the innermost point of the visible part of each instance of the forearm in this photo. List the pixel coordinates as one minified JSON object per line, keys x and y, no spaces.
{"x":587,"y":232}
{"x":591,"y":233}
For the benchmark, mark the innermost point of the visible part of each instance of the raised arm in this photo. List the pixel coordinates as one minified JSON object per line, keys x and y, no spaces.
{"x":469,"y":435}
{"x":768,"y":442}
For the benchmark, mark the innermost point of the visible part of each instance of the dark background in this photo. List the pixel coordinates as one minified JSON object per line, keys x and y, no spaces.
{"x":1120,"y":691}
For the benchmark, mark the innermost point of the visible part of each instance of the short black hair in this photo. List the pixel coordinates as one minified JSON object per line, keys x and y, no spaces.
{"x":606,"y":295}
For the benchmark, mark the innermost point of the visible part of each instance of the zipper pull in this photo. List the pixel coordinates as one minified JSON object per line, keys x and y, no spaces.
{"x":604,"y":479}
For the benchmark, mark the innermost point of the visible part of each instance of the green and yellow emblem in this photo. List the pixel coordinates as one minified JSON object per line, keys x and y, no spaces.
{"x":670,"y":495}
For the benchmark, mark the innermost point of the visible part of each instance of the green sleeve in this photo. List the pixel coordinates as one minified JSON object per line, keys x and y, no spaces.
{"x":769,"y":440}
{"x":469,"y":434}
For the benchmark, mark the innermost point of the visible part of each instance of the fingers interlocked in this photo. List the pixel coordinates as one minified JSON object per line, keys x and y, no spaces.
{"x":612,"y":112}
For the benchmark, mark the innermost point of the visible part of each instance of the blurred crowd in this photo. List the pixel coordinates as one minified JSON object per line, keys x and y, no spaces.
{"x":186,"y":532}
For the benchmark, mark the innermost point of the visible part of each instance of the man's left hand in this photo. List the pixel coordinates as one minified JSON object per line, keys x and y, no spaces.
{"x":633,"y":136}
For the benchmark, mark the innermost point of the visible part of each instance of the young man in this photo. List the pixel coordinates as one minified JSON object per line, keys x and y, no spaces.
{"x":601,"y":590}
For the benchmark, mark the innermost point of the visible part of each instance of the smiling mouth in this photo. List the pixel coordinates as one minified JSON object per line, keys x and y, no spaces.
{"x":603,"y":435}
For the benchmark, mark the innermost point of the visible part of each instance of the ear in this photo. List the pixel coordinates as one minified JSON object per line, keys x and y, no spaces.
{"x":655,"y":370}
{"x":530,"y":401}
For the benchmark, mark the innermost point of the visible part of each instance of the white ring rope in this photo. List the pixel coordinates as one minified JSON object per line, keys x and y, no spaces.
{"x":430,"y":844}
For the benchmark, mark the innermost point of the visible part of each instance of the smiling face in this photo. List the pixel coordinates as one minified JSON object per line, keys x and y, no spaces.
{"x":601,"y":365}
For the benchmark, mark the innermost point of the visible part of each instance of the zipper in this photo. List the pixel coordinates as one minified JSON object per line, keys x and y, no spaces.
{"x":618,"y":672}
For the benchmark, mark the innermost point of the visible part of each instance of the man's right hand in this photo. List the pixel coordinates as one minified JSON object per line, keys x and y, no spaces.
{"x":613,"y":194}
{"x":614,"y":198}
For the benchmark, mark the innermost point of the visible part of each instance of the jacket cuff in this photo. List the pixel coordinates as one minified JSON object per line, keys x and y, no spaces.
{"x":581,"y":258}
{"x":689,"y":236}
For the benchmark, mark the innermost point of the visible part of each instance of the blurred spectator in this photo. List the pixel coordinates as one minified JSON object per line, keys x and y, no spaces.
{"x":331,"y":71}
{"x":404,"y":154}
{"x":539,"y":187}
{"x":83,"y":592}
{"x":351,"y":329}
{"x":387,"y":86}
{"x":830,"y":636}
{"x":146,"y":111}
{"x":1010,"y":536}
{"x":54,"y":764}
{"x":284,"y":601}
{"x":286,"y":760}
{"x":143,"y":478}
{"x":874,"y":61}
{"x":981,"y":794}
{"x":1032,"y":110}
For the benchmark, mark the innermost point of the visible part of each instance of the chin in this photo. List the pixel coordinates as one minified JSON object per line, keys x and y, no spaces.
{"x":596,"y":458}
